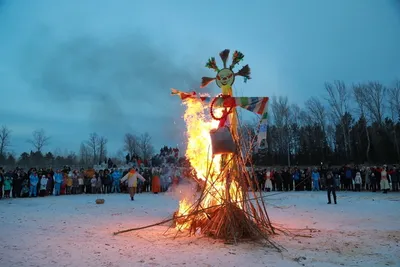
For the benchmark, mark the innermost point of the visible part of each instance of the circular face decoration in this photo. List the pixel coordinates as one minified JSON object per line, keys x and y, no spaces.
{"x":225,"y":77}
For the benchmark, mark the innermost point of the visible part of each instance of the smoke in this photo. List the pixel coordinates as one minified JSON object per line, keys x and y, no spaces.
{"x":125,"y":81}
{"x":187,"y":190}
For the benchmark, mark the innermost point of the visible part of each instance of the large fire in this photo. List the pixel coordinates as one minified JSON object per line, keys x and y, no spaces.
{"x":206,"y":165}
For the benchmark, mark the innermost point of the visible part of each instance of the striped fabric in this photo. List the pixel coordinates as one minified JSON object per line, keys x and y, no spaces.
{"x":257,"y":105}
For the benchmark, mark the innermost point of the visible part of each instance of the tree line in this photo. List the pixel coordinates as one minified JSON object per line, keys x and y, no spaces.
{"x":357,"y":123}
{"x":92,"y":151}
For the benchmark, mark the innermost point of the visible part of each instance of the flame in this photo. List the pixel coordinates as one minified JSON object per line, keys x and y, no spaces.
{"x":206,"y":166}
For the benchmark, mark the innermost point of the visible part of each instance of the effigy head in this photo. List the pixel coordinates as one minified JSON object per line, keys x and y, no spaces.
{"x":226,"y":75}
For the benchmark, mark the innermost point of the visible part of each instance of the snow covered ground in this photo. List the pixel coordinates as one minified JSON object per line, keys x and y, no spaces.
{"x":362,"y":230}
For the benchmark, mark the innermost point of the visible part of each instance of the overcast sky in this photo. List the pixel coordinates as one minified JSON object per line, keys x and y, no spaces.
{"x":73,"y":67}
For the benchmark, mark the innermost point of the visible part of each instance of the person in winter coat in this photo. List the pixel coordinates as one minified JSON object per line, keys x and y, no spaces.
{"x":93,"y":183}
{"x":348,"y":174}
{"x":373,"y":182}
{"x":116,"y":176}
{"x":69,"y":183}
{"x":308,"y":179}
{"x":132,"y":177}
{"x":33,"y":182}
{"x":25,"y":188}
{"x":384,"y":180}
{"x":315,"y":180}
{"x":43,"y":186}
{"x":81,"y":184}
{"x":50,"y":184}
{"x":107,"y":182}
{"x":64,"y":183}
{"x":395,"y":180}
{"x":58,"y":180}
{"x":357,"y":182}
{"x":367,"y":178}
{"x":7,"y":185}
{"x":268,"y":181}
{"x":279,"y":180}
{"x":331,"y":187}
{"x":155,"y":183}
{"x":261,"y":180}
{"x":17,"y":181}
{"x":75,"y":183}
{"x":1,"y":182}
{"x":99,"y":184}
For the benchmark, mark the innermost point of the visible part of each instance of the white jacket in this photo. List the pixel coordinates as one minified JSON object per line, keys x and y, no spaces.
{"x":43,"y":183}
{"x":132,"y":179}
{"x":357,"y":179}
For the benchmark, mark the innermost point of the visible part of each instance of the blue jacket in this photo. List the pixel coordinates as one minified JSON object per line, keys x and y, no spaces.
{"x":315,"y":175}
{"x":58,"y":178}
{"x":296,"y":176}
{"x":33,"y":179}
{"x":116,"y":175}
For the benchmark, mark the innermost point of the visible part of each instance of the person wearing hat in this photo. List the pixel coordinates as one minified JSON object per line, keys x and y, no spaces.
{"x":132,"y":176}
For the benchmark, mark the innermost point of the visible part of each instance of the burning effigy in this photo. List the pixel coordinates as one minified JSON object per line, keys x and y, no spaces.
{"x":228,"y":206}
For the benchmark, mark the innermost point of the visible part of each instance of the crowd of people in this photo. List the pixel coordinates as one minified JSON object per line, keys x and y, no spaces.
{"x":43,"y":182}
{"x":136,"y":176}
{"x":356,"y":178}
{"x":348,"y":178}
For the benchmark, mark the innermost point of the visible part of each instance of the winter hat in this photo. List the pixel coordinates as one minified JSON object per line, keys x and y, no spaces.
{"x":43,"y":176}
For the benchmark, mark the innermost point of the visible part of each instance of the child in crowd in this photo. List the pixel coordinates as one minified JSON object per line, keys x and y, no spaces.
{"x":81,"y":183}
{"x":93,"y":183}
{"x":7,"y":186}
{"x":43,"y":186}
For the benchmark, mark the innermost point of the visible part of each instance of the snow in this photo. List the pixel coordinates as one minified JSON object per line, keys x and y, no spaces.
{"x":362,"y":230}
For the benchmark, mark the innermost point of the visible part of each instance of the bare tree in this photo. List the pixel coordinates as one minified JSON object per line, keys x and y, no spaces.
{"x":39,"y":140}
{"x":93,"y":144}
{"x":394,"y":105}
{"x":85,"y":153}
{"x":131,"y":144}
{"x":295,"y":123}
{"x":102,"y":147}
{"x":281,"y":115}
{"x":317,"y":112}
{"x":359,"y":95}
{"x":146,"y":148}
{"x":374,"y":97}
{"x":247,"y":132}
{"x":394,"y":101}
{"x":338,"y":100}
{"x":5,"y":136}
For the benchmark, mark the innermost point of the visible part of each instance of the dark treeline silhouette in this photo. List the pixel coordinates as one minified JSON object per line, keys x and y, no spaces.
{"x":358,"y":123}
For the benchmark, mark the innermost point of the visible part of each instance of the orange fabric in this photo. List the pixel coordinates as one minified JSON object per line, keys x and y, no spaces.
{"x":155,"y":184}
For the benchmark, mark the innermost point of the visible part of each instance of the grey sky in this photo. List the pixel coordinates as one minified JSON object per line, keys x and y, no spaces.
{"x":75,"y":67}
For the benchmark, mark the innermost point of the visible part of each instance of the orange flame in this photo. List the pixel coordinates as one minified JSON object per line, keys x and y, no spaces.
{"x":207,"y":166}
